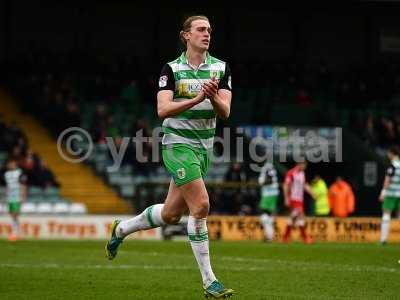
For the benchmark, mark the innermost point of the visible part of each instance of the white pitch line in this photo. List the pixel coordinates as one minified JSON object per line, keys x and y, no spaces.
{"x":289,"y":264}
{"x":121,"y":267}
{"x":61,"y":266}
{"x":284,"y":265}
{"x":315,"y":265}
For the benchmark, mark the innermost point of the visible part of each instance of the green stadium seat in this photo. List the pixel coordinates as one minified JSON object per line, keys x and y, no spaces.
{"x":101,"y":148}
{"x":127,"y":191}
{"x":113,"y":178}
{"x":51,"y":192}
{"x":126,"y":170}
{"x":159,"y":178}
{"x":125,"y":180}
{"x":100,"y":166}
{"x":36,"y":199}
{"x":52,"y":199}
{"x":35,"y":191}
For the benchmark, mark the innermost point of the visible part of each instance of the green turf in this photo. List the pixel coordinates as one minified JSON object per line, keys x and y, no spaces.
{"x":167,"y":270}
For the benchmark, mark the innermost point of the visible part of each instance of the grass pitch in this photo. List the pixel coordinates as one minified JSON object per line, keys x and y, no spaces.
{"x":167,"y":270}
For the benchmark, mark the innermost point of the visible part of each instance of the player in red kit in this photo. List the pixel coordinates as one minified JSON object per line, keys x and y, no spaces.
{"x":293,"y":188}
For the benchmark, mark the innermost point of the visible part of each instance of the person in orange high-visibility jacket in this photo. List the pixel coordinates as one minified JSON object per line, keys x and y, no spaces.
{"x":341,"y":198}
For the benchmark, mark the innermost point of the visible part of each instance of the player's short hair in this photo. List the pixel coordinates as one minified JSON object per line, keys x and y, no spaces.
{"x":187,"y":24}
{"x":394,"y":149}
{"x":11,"y":159}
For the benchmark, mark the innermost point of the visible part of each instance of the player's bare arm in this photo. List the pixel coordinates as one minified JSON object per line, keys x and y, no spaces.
{"x":24,"y":192}
{"x":386,"y":184}
{"x":307,"y":188}
{"x":286,"y":193}
{"x":166,"y":107}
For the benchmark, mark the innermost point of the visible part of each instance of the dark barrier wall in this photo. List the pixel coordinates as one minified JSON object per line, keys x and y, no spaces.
{"x":338,"y":34}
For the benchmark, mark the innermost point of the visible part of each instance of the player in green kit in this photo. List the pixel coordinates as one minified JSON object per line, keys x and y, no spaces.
{"x":16,"y":193}
{"x":268,"y":180}
{"x":390,"y":195}
{"x":194,"y":89}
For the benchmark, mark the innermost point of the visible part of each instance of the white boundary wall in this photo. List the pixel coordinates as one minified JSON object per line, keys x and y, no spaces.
{"x":93,"y":227}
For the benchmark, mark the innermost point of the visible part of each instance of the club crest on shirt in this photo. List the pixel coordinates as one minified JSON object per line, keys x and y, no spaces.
{"x":181,"y":173}
{"x":214,"y":74}
{"x":162,"y":82}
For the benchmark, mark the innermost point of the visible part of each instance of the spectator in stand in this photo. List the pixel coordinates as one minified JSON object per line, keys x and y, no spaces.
{"x":370,"y":134}
{"x":23,"y":144}
{"x":341,"y":198}
{"x":29,"y":164}
{"x":44,"y":177}
{"x":13,"y":136}
{"x":56,"y":112}
{"x":72,"y":115}
{"x":101,"y":113}
{"x":98,"y":132}
{"x":389,"y":135}
{"x":112,"y":128}
{"x":145,"y":167}
{"x":303,"y":98}
{"x":236,"y":173}
{"x":16,"y":154}
{"x":98,"y":129}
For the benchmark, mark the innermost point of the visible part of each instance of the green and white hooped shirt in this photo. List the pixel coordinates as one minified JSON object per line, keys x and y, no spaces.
{"x":271,"y":188}
{"x":393,"y":190}
{"x":195,"y":126}
{"x":14,"y":179}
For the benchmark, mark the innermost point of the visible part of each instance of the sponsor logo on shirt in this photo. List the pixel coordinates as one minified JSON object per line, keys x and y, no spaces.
{"x":189,"y":90}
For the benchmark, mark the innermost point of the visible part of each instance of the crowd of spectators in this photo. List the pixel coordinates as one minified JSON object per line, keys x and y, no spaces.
{"x":59,"y":106}
{"x":379,"y":132}
{"x":14,"y":144}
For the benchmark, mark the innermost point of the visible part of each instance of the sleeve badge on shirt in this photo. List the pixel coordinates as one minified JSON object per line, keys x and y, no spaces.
{"x":162,"y":82}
